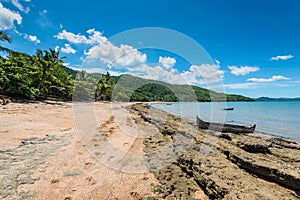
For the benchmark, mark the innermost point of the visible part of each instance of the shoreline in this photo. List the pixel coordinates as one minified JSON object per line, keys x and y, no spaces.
{"x":231,"y":166}
{"x":258,"y":133}
{"x":259,"y":164}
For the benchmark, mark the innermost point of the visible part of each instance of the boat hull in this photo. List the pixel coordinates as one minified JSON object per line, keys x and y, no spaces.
{"x":228,"y":108}
{"x":229,"y":128}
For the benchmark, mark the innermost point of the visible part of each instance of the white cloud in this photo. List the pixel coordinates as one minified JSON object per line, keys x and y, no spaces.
{"x":8,"y":17}
{"x":18,"y":5}
{"x":267,"y":80}
{"x":117,"y":56}
{"x":202,"y":74}
{"x":93,"y":38}
{"x":217,"y":62}
{"x":286,"y":57}
{"x":71,"y":37}
{"x":167,"y":62}
{"x":68,"y":49}
{"x":243,"y":70}
{"x":56,"y":48}
{"x":104,"y":55}
{"x":32,"y":38}
{"x":103,"y":50}
{"x":66,"y":64}
{"x":242,"y":85}
{"x":210,"y":73}
{"x":158,"y":73}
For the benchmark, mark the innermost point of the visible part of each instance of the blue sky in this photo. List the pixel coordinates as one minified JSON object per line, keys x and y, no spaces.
{"x":254,"y":46}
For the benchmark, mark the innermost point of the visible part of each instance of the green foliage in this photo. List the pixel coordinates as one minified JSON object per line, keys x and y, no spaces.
{"x":18,"y":76}
{"x":153,"y":92}
{"x":235,"y":97}
{"x":104,"y":88}
{"x":130,"y":88}
{"x":22,"y":75}
{"x":4,"y":37}
{"x":84,"y":88}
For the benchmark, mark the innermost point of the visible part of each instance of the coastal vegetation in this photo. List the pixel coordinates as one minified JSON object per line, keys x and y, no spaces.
{"x":45,"y":74}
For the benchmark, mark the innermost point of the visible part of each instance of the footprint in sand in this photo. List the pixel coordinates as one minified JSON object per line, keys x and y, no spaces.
{"x":111,"y":157}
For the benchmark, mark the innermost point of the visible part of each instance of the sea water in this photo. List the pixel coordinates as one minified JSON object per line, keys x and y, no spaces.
{"x":273,"y":118}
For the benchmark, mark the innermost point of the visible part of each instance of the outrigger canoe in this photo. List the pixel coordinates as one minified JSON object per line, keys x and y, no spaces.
{"x":228,"y":128}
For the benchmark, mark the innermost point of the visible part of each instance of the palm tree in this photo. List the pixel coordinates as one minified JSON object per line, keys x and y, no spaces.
{"x":4,"y":37}
{"x":46,"y":61}
{"x":104,"y":87}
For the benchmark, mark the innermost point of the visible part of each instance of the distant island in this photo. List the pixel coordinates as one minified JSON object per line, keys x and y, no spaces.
{"x":276,"y":99}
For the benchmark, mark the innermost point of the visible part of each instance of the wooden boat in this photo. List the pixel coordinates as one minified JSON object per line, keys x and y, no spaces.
{"x":228,"y":108}
{"x":229,"y":128}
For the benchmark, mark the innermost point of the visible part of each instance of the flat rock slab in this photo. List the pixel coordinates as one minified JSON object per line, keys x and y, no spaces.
{"x":223,"y":165}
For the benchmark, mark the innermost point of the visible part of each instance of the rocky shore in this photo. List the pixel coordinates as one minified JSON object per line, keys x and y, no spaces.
{"x":187,"y":160}
{"x":43,"y":157}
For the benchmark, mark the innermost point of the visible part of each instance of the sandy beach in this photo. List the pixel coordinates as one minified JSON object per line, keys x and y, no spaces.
{"x":42,"y":157}
{"x":59,"y":150}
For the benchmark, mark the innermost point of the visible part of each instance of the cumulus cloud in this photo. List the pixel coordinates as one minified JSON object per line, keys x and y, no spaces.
{"x":210,"y":73}
{"x":202,"y":74}
{"x":118,"y":56}
{"x":18,"y":5}
{"x":8,"y":17}
{"x":124,"y":58}
{"x":286,"y":57}
{"x":68,"y":49}
{"x":167,"y":62}
{"x":71,"y":37}
{"x":267,"y":80}
{"x":32,"y":38}
{"x":93,"y":38}
{"x":243,"y":70}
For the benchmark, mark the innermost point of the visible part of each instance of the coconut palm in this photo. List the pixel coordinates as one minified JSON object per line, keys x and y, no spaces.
{"x":104,"y":87}
{"x":47,"y":61}
{"x":4,"y":37}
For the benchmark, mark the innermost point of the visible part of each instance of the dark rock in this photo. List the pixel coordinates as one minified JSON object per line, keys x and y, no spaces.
{"x":255,"y":148}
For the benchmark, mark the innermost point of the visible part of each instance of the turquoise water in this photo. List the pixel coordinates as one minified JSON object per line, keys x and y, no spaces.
{"x":275,"y":118}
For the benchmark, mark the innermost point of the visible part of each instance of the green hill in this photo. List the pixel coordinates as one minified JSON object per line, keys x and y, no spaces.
{"x":131,"y":88}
